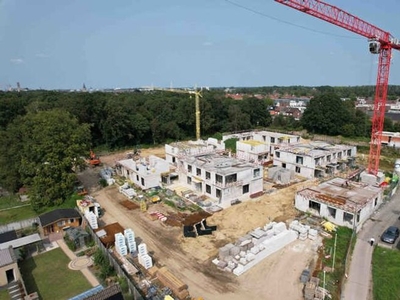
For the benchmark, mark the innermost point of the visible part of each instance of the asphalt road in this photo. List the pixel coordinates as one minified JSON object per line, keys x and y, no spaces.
{"x":359,"y":282}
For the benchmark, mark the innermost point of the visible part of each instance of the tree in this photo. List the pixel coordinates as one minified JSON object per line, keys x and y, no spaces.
{"x":326,"y":114}
{"x":50,"y":145}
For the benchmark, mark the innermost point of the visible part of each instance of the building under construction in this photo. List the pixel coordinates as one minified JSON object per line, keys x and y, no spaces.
{"x":342,"y":202}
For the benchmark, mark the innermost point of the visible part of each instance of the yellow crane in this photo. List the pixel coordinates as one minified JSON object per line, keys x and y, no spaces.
{"x":197,"y":95}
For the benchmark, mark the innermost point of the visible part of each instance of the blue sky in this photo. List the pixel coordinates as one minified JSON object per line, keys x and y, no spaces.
{"x":107,"y":44}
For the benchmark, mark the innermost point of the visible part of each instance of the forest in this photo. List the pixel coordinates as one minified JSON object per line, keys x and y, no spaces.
{"x":46,"y":135}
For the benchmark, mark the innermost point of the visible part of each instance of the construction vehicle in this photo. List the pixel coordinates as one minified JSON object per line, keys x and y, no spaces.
{"x":380,"y":42}
{"x":94,"y":160}
{"x":155,"y":199}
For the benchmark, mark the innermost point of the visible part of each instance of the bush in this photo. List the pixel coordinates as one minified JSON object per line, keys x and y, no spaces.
{"x":71,"y":245}
{"x":103,"y":183}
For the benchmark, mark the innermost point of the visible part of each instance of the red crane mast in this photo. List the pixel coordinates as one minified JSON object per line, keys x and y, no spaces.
{"x":380,"y":42}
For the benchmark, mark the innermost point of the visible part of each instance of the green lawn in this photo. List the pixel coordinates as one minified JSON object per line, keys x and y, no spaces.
{"x":385,"y":274}
{"x":49,"y":275}
{"x":22,"y":213}
{"x":4,"y":295}
{"x":16,"y":214}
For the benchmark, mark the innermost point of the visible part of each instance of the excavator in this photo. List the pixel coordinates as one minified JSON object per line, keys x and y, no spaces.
{"x":94,"y":160}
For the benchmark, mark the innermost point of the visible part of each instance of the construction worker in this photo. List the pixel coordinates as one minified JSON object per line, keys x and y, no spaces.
{"x":372,"y":241}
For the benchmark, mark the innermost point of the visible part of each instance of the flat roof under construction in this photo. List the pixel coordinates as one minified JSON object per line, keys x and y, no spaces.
{"x":342,"y":193}
{"x":314,"y":149}
{"x":219,"y":164}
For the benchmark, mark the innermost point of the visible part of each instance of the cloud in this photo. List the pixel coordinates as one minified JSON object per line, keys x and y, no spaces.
{"x":207,"y":44}
{"x":17,"y":61}
{"x":41,"y":55}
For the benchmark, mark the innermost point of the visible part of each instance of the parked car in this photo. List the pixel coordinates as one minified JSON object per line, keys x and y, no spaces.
{"x":390,"y":235}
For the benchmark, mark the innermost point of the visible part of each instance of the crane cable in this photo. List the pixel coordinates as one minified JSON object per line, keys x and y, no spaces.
{"x":287,"y":22}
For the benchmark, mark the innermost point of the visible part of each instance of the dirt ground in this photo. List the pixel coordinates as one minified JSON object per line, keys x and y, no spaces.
{"x":276,"y":277}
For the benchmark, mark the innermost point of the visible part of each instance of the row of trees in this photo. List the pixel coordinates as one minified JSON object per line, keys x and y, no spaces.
{"x":342,"y":91}
{"x":124,"y":119}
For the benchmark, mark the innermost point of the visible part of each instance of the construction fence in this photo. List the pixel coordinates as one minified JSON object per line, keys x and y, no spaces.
{"x":134,"y":290}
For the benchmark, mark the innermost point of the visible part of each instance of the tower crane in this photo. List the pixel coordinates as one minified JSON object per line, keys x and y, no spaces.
{"x":197,"y":96}
{"x":380,"y":42}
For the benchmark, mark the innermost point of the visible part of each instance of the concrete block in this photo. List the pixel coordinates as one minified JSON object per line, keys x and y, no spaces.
{"x":222,"y":264}
{"x":242,"y":253}
{"x":245,"y":242}
{"x":234,"y":251}
{"x":215,"y":261}
{"x":279,"y":227}
{"x":228,"y":269}
{"x":227,"y":258}
{"x":237,"y":257}
{"x":243,"y":261}
{"x":238,"y":270}
{"x":255,"y":250}
{"x":250,"y":256}
{"x":249,"y":246}
{"x":269,"y":226}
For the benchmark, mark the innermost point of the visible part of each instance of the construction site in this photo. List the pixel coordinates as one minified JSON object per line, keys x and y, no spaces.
{"x":212,"y":223}
{"x":244,"y":249}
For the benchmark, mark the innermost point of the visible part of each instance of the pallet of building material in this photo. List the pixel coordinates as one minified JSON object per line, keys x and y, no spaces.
{"x":170,"y":280}
{"x":182,"y":295}
{"x":153,"y":271}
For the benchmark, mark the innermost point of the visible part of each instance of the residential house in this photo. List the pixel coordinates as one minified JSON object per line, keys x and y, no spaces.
{"x":59,"y":219}
{"x":342,"y":202}
{"x":315,"y":159}
{"x":219,"y":177}
{"x":145,"y":172}
{"x":9,"y":271}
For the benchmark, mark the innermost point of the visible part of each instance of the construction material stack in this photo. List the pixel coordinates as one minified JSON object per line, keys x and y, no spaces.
{"x":144,"y":258}
{"x":250,"y":249}
{"x":176,"y":285}
{"x":120,"y":245}
{"x":130,"y":240}
{"x":92,"y":219}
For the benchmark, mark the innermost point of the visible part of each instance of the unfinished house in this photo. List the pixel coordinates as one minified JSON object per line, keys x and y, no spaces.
{"x":342,"y":202}
{"x":145,"y":172}
{"x":175,"y":151}
{"x":219,"y":177}
{"x":259,"y":146}
{"x":391,"y":139}
{"x":252,"y":151}
{"x":316,"y":159}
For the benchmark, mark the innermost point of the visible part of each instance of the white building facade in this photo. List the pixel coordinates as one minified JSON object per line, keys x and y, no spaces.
{"x":144,"y":173}
{"x":260,"y":145}
{"x":342,"y":202}
{"x":176,"y":151}
{"x":315,"y":160}
{"x":221,"y":178}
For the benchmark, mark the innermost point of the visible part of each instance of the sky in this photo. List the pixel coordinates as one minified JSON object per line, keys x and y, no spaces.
{"x":54,"y":44}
